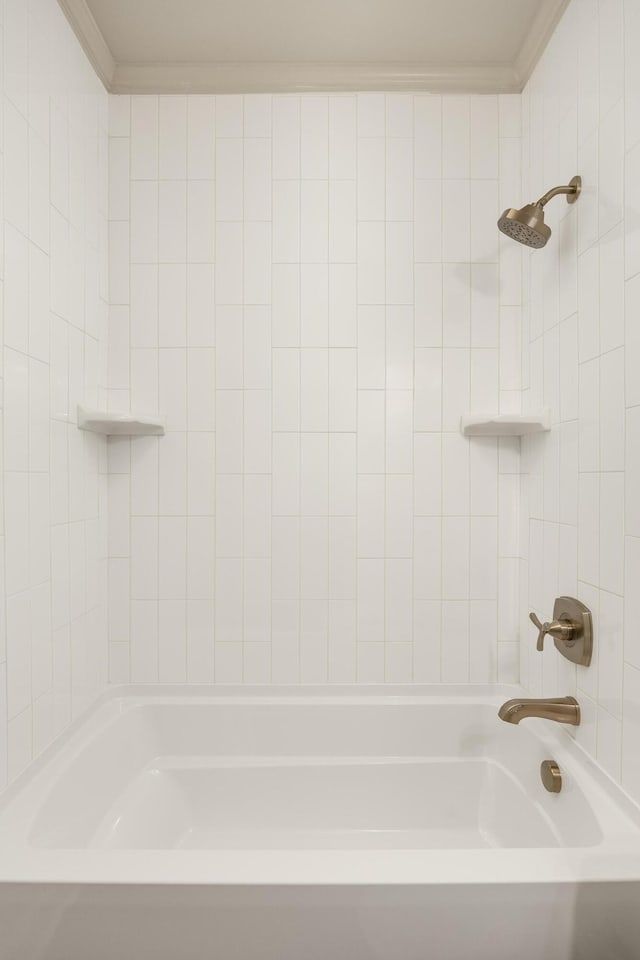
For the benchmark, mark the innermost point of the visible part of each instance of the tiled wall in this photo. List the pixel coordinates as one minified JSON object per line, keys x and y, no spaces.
{"x":309,"y":290}
{"x":581,"y":482}
{"x":53,"y":266}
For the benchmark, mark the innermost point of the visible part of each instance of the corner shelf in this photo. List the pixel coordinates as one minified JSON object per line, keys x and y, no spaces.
{"x":119,"y":424}
{"x":505,"y":424}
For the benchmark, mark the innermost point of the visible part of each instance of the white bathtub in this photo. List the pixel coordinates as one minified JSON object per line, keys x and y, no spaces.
{"x":289,"y":824}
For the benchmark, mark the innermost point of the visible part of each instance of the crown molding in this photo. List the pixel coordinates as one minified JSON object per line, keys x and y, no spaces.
{"x":91,"y":39}
{"x":269,"y":77}
{"x":544,"y":23}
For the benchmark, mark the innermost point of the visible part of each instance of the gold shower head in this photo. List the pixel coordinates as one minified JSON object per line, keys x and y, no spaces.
{"x":527,"y":225}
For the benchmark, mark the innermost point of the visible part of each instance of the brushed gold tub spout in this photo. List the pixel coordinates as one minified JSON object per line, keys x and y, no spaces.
{"x":560,"y":709}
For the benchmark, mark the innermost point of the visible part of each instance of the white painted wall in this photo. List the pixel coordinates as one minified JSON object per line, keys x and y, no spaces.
{"x":581,"y":483}
{"x":53,"y":263}
{"x":309,"y":290}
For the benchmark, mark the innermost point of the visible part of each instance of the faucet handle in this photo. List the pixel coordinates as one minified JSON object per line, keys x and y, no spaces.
{"x":542,"y":630}
{"x":559,"y":629}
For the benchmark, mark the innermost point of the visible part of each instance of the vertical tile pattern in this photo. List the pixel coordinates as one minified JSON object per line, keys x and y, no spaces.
{"x":54,"y":290}
{"x":313,"y":513}
{"x":579,"y":504}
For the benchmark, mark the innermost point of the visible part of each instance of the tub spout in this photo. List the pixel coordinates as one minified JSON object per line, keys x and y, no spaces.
{"x":560,"y":709}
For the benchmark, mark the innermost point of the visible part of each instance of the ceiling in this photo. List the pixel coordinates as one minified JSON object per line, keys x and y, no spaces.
{"x":253,"y":45}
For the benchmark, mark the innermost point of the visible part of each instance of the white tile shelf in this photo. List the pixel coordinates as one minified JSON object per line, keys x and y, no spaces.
{"x":505,"y":424}
{"x":119,"y":424}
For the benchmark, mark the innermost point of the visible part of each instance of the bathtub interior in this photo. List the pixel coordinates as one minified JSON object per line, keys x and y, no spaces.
{"x":303,"y":773}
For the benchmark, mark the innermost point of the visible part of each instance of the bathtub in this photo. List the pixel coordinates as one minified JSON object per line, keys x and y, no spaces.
{"x":351,"y":823}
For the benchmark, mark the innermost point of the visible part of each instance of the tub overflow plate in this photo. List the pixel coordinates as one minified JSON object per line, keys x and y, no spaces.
{"x":551,"y":776}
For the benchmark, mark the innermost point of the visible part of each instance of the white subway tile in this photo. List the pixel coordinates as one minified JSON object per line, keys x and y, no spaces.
{"x":342,"y":137}
{"x":229,"y":260}
{"x":200,"y":646}
{"x":286,"y":389}
{"x":229,"y":177}
{"x":144,"y":222}
{"x":342,"y":225}
{"x":172,"y":641}
{"x":371,"y":515}
{"x":285,"y":558}
{"x":612,"y":410}
{"x":314,"y":138}
{"x":399,"y":263}
{"x":632,"y":601}
{"x":483,"y":630}
{"x":144,"y":558}
{"x":229,"y":358}
{"x":455,"y":558}
{"x":483,"y":137}
{"x":257,"y":431}
{"x":256,"y":617}
{"x":632,"y":342}
{"x":589,"y":415}
{"x":257,"y":115}
{"x":314,"y":474}
{"x":632,"y":473}
{"x":455,"y":137}
{"x":257,"y":179}
{"x":172,"y":138}
{"x":342,"y":474}
{"x":371,"y":603}
{"x":200,"y":221}
{"x":201,"y":384}
{"x":285,"y":305}
{"x":399,"y":179}
{"x":144,"y":641}
{"x":314,"y":305}
{"x":341,"y":653}
{"x":631,"y":725}
{"x":588,"y":528}
{"x":201,"y":474}
{"x":172,"y":221}
{"x":428,"y":390}
{"x":371,"y":114}
{"x":286,"y":221}
{"x":371,"y":178}
{"x":19,"y":664}
{"x":342,"y":558}
{"x":314,"y":537}
{"x":200,"y":138}
{"x":342,"y":390}
{"x":257,"y":263}
{"x":144,"y":138}
{"x":172,"y":472}
{"x":257,"y":516}
{"x":428,"y":304}
{"x":455,"y":652}
{"x":426,"y":641}
{"x":427,"y":554}
{"x":398,"y":515}
{"x":229,"y":431}
{"x":172,"y":558}
{"x":427,"y":131}
{"x":483,"y":564}
{"x":286,"y":138}
{"x":144,"y":305}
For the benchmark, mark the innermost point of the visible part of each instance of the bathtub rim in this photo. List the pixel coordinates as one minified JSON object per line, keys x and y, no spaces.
{"x":20,"y":863}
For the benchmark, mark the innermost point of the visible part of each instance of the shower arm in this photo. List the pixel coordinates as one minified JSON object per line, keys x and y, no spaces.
{"x":572,"y":189}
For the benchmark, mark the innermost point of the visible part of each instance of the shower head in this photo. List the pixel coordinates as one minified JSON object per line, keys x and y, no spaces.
{"x":527,"y":225}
